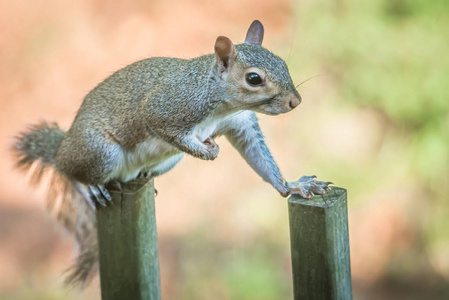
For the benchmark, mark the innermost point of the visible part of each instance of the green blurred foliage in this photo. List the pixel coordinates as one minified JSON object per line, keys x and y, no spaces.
{"x":390,"y":56}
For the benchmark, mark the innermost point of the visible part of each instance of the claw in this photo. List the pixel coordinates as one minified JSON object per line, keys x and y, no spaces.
{"x":308,"y":186}
{"x":99,"y":194}
{"x":105,"y":193}
{"x":114,"y":185}
{"x":144,"y":174}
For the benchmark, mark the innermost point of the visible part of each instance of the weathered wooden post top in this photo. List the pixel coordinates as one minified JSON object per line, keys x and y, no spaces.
{"x":127,"y":239}
{"x":320,"y":246}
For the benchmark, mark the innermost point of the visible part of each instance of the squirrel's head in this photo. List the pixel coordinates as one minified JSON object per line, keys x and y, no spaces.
{"x":255,"y":78}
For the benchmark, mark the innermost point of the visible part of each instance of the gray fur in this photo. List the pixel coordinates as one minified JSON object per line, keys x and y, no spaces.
{"x":142,"y":118}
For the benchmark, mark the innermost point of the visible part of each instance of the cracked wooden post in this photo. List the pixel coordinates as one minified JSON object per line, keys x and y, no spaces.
{"x":128,"y":249}
{"x":320,"y":246}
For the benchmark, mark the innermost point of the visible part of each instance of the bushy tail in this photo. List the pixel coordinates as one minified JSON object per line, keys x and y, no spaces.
{"x":36,"y":150}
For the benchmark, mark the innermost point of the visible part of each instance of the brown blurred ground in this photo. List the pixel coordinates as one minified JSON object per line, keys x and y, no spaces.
{"x":53,"y":52}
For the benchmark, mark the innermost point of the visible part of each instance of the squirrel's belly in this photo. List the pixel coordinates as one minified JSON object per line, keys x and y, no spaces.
{"x":146,"y":154}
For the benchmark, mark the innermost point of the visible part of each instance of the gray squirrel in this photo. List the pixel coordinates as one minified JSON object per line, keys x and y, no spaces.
{"x":143,"y":118}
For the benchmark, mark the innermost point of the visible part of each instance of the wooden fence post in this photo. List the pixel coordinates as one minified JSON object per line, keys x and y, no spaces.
{"x":128,"y":249}
{"x":320,"y":246}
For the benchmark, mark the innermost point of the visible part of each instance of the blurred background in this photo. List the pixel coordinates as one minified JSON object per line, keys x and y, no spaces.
{"x":374,"y":119}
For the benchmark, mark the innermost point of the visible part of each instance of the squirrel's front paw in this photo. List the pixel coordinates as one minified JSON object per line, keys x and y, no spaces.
{"x":307,"y":186}
{"x":212,"y":149}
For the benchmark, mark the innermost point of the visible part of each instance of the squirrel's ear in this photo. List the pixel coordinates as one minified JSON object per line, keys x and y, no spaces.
{"x":225,"y":53}
{"x":255,"y":33}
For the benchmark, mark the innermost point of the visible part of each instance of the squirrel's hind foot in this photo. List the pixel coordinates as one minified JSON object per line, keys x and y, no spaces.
{"x":99,"y":195}
{"x":144,"y":174}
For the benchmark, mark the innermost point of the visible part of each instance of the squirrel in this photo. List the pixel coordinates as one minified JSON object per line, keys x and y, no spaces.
{"x":143,"y":118}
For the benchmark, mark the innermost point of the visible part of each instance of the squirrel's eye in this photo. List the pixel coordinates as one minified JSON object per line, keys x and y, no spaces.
{"x":253,"y":79}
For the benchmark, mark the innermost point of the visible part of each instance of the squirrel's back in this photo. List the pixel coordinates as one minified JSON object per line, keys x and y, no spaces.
{"x":165,"y":88}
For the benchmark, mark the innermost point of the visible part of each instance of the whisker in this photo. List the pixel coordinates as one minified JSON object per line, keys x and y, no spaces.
{"x":241,"y":108}
{"x":307,"y":80}
{"x":247,"y":106}
{"x":233,"y":115}
{"x":292,"y":34}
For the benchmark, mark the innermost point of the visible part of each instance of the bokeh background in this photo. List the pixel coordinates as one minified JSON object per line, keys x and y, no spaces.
{"x":374,"y":119}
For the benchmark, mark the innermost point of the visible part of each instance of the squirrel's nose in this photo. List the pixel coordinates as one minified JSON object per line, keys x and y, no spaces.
{"x":294,"y":102}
